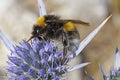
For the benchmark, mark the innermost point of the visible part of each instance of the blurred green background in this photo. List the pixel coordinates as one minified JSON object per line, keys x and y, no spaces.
{"x":18,"y":16}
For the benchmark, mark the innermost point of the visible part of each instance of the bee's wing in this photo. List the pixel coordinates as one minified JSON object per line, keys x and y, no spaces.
{"x":74,"y":21}
{"x":78,"y":22}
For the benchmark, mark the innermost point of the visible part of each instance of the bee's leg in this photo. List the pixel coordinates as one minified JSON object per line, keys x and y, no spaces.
{"x":30,"y":38}
{"x":65,"y":45}
{"x":39,"y":37}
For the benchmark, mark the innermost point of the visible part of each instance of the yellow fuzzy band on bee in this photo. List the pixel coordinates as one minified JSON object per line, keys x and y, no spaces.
{"x":69,"y":26}
{"x":41,"y":21}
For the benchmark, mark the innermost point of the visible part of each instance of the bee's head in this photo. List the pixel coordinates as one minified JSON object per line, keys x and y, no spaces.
{"x":69,"y":26}
{"x":41,"y":21}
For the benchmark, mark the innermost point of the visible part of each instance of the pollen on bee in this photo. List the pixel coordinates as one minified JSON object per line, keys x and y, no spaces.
{"x":41,"y":21}
{"x":69,"y":26}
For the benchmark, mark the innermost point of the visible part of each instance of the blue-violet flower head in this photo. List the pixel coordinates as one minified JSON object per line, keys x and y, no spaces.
{"x":36,"y":61}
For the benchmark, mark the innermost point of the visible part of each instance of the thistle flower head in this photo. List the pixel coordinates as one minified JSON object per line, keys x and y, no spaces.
{"x":36,"y":60}
{"x":115,"y":72}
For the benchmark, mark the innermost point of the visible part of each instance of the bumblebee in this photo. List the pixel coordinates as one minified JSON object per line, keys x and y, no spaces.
{"x":64,"y":31}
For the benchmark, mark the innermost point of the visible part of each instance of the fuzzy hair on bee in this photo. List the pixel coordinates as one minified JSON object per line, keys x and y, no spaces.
{"x":61,"y":30}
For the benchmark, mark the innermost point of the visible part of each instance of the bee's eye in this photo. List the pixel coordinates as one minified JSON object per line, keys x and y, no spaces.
{"x":41,"y":21}
{"x":37,"y":31}
{"x":69,"y":26}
